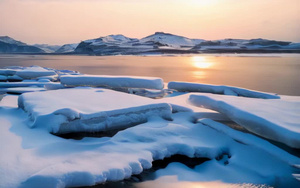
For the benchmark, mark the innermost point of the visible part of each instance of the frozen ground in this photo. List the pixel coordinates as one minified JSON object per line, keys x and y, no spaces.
{"x":188,"y":124}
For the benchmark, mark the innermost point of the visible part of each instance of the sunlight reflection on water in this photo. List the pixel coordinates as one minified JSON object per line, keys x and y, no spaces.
{"x":278,"y":73}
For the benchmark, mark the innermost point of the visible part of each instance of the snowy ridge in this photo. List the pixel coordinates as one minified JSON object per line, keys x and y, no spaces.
{"x":157,"y":43}
{"x":67,"y":48}
{"x":171,"y":40}
{"x":48,"y":48}
{"x":10,"y":40}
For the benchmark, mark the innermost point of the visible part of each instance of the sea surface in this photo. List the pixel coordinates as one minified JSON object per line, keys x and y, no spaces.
{"x":276,"y":73}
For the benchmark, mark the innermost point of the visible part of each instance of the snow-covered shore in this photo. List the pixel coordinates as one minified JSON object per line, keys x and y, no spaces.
{"x":152,"y":123}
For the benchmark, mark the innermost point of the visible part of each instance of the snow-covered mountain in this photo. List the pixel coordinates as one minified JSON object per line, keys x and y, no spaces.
{"x":167,"y":39}
{"x":161,"y":42}
{"x":112,"y":40}
{"x":67,"y":48}
{"x":10,"y":40}
{"x":10,"y":45}
{"x":157,"y":43}
{"x":47,"y":48}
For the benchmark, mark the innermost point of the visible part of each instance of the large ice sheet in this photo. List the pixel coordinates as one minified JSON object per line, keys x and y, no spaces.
{"x":89,"y":110}
{"x":275,"y":119}
{"x":112,"y":81}
{"x":216,"y":89}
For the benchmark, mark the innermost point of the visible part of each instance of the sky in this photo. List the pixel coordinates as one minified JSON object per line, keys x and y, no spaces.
{"x":71,"y":21}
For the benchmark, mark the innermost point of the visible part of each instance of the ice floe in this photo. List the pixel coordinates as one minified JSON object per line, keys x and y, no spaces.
{"x":274,"y":119}
{"x":112,"y":81}
{"x":89,"y":110}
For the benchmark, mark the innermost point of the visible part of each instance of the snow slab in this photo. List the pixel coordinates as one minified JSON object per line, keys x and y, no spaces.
{"x":275,"y":119}
{"x":216,"y":89}
{"x":27,"y":72}
{"x":112,"y":81}
{"x":89,"y":110}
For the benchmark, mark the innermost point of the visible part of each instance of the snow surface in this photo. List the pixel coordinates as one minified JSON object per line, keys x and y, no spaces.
{"x":19,"y":90}
{"x":89,"y":110}
{"x":112,"y":81}
{"x":171,"y":40}
{"x":27,"y":72}
{"x":10,"y":40}
{"x":33,"y":157}
{"x":185,"y":123}
{"x":226,"y":90}
{"x":67,"y":48}
{"x":274,"y":119}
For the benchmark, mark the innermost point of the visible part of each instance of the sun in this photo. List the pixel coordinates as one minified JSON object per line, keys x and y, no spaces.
{"x":201,"y":62}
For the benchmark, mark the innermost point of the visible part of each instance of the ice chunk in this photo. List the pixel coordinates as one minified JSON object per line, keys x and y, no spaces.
{"x":277,"y":120}
{"x":19,"y":90}
{"x":27,"y":83}
{"x":89,"y":110}
{"x":112,"y":81}
{"x":226,"y":90}
{"x":3,"y":78}
{"x":27,"y":72}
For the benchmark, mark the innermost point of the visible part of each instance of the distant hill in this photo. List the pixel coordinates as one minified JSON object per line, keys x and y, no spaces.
{"x":66,"y":48}
{"x":160,"y":42}
{"x":10,"y":45}
{"x":157,"y":43}
{"x":48,"y":48}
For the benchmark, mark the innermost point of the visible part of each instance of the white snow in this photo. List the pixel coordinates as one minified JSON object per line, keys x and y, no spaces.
{"x":171,"y":40}
{"x":216,"y":89}
{"x":112,"y":81}
{"x":19,"y":90}
{"x":27,"y":84}
{"x":33,"y":157}
{"x":148,"y":129}
{"x":67,"y":48}
{"x":275,"y":119}
{"x":89,"y":110}
{"x":27,"y":72}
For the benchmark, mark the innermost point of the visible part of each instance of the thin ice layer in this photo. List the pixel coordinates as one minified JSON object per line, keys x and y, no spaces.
{"x":89,"y":110}
{"x":112,"y":81}
{"x":277,"y":120}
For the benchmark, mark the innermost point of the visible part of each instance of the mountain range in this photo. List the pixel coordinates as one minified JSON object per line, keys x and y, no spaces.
{"x":158,"y":43}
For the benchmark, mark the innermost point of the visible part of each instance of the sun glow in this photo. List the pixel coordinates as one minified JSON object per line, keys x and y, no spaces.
{"x":201,"y":62}
{"x":204,"y":2}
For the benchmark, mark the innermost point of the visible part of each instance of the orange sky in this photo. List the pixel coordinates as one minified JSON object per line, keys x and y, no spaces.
{"x":70,"y":21}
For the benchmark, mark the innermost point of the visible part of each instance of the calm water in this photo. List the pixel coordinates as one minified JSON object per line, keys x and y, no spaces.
{"x":277,"y":73}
